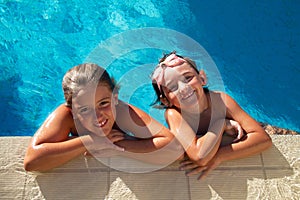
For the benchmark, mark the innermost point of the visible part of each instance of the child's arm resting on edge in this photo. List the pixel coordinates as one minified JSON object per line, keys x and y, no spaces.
{"x":200,"y":150}
{"x":153,"y":142}
{"x":50,"y":146}
{"x":255,"y":141}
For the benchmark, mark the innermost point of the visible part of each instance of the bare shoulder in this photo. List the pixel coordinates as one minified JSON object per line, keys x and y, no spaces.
{"x":62,"y":115}
{"x":225,"y":98}
{"x":134,"y":120}
{"x":219,"y":94}
{"x":63,"y":111}
{"x":171,"y":112}
{"x":173,"y":116}
{"x":127,"y":113}
{"x":57,"y":127}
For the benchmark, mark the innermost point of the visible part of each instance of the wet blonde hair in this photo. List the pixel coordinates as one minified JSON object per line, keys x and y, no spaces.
{"x":81,"y":75}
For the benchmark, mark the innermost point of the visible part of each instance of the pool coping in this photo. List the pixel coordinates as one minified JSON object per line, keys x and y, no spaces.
{"x":273,"y":174}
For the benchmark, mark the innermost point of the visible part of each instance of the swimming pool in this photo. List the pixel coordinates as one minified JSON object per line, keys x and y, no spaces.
{"x":254,"y":45}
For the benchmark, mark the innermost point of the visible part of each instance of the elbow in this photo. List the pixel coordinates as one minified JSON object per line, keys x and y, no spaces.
{"x":33,"y":167}
{"x":268,"y":142}
{"x":29,"y":165}
{"x":264,"y":143}
{"x":201,"y":161}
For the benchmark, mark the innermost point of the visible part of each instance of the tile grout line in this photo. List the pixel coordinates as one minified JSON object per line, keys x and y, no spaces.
{"x":24,"y":188}
{"x":108,"y":178}
{"x":189,"y":187}
{"x":263,"y":166}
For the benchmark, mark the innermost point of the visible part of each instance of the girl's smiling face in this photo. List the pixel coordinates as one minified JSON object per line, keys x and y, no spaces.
{"x":183,"y":87}
{"x":96,"y":108}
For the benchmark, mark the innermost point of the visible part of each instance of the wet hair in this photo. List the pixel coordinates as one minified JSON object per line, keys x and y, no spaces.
{"x":81,"y":75}
{"x":187,"y":59}
{"x":160,"y":93}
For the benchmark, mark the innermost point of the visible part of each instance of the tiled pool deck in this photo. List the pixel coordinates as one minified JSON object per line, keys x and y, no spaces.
{"x":274,"y":174}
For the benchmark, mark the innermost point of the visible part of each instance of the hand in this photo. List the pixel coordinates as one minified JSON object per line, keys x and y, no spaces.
{"x":95,"y":143}
{"x":115,"y":136}
{"x":192,"y":168}
{"x":104,"y":153}
{"x":233,"y":128}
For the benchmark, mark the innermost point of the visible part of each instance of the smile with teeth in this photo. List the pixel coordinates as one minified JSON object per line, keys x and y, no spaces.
{"x":102,"y":123}
{"x":187,"y":95}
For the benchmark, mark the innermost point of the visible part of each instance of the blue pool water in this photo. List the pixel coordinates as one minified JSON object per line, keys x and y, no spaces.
{"x":254,"y":44}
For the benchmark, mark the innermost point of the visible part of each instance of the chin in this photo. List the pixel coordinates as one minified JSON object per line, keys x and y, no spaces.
{"x":191,"y":107}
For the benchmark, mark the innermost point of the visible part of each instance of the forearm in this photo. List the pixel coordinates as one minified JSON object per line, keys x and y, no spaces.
{"x":135,"y":145}
{"x":155,"y":151}
{"x":203,"y":149}
{"x":46,"y":156}
{"x":253,"y":144}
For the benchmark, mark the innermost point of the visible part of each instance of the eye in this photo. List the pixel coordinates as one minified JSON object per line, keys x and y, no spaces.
{"x":172,"y":88}
{"x":84,"y":110}
{"x":103,"y":104}
{"x":188,"y":78}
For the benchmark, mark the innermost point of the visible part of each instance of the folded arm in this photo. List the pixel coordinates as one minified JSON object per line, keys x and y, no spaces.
{"x":50,"y":145}
{"x":152,"y":142}
{"x":200,"y":150}
{"x":255,"y":141}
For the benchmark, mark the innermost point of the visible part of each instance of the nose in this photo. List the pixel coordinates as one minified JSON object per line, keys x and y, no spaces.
{"x":181,"y":86}
{"x":99,"y":113}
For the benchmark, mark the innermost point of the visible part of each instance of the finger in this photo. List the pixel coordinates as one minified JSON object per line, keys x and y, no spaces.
{"x":118,"y":148}
{"x":231,"y":132}
{"x":203,"y":175}
{"x":240,"y":132}
{"x":111,"y":135}
{"x":239,"y":129}
{"x":115,"y":135}
{"x":185,"y":162}
{"x":116,"y":138}
{"x":240,"y":135}
{"x":196,"y":171}
{"x":188,"y":166}
{"x":116,"y":132}
{"x":103,"y":153}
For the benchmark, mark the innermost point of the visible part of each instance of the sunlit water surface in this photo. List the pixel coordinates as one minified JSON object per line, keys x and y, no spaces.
{"x":254,"y":44}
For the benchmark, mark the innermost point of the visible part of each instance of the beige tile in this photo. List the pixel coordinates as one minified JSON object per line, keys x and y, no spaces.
{"x":11,"y":184}
{"x":91,"y":179}
{"x":12,"y":152}
{"x":272,"y":173}
{"x":223,"y":184}
{"x":129,"y":165}
{"x":155,"y":185}
{"x":251,"y":161}
{"x":273,"y":158}
{"x":31,"y":188}
{"x":83,"y":163}
{"x":275,"y":189}
{"x":285,"y":151}
{"x":67,"y":186}
{"x":282,"y":157}
{"x":12,"y":174}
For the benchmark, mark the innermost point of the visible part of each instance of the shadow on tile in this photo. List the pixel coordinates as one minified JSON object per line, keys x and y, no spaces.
{"x":237,"y":181}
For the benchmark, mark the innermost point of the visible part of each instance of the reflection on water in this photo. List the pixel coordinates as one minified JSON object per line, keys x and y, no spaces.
{"x":254,"y":45}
